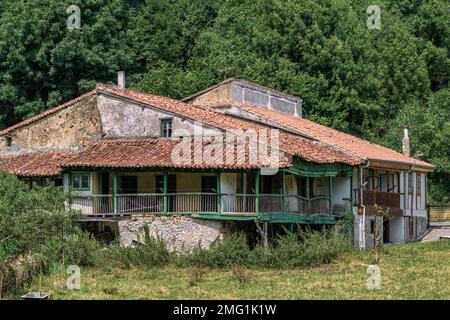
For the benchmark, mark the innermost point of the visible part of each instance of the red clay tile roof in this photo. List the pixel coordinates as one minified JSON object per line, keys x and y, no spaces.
{"x":154,"y":153}
{"x":35,"y":164}
{"x":46,"y":113}
{"x":306,"y":149}
{"x":355,"y":145}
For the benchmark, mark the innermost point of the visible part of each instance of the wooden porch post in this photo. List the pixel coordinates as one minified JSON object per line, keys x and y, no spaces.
{"x":266,"y":235}
{"x":257,"y":191}
{"x":330,"y":191}
{"x":219,"y":197}
{"x":283,"y":192}
{"x":308,"y":196}
{"x":351,"y":193}
{"x":165,"y":184}
{"x":115,"y":187}
{"x":69,"y":187}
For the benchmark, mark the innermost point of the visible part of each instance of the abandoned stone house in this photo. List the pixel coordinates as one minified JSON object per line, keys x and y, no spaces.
{"x":132,"y":159}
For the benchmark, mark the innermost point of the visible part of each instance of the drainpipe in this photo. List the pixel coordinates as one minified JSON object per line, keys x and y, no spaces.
{"x":362,"y":227}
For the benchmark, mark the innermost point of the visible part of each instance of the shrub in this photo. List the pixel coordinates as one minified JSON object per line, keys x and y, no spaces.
{"x":294,"y":250}
{"x":16,"y":273}
{"x":30,"y":218}
{"x":241,"y":275}
{"x":232,"y":251}
{"x":79,"y":248}
{"x":151,"y":253}
{"x":196,"y":276}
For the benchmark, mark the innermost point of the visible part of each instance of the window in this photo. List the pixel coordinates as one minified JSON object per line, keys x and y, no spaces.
{"x":166,"y":128}
{"x":418,"y":184}
{"x":410,"y":183}
{"x":81,"y":181}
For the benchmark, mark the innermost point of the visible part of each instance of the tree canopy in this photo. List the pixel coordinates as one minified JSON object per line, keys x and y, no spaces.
{"x":367,"y":82}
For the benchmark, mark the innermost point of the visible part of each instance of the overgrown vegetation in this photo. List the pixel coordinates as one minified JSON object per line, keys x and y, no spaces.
{"x":305,"y":249}
{"x":412,"y":271}
{"x":36,"y":231}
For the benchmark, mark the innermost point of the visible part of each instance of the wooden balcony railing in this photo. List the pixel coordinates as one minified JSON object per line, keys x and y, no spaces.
{"x":128,"y":204}
{"x":383,"y":199}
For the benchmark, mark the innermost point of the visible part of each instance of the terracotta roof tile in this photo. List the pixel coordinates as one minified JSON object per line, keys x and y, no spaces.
{"x":355,"y":145}
{"x":153,"y":153}
{"x":35,"y":164}
{"x":306,"y":149}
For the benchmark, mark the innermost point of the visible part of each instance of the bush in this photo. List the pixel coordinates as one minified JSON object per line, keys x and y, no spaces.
{"x":232,"y":251}
{"x":14,"y":274}
{"x":294,"y":250}
{"x":30,"y":218}
{"x":151,"y":253}
{"x":79,"y":249}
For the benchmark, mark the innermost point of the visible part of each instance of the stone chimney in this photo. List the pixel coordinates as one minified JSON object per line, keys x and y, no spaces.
{"x":406,"y":148}
{"x":121,"y":79}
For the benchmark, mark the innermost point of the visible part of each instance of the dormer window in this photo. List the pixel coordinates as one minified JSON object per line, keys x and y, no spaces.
{"x":166,"y":128}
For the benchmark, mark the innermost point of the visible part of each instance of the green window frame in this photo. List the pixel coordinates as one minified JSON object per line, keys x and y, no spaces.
{"x":81,"y":181}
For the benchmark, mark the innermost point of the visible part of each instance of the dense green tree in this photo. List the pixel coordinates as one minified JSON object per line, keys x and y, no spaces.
{"x":43,"y":63}
{"x":366,"y":82}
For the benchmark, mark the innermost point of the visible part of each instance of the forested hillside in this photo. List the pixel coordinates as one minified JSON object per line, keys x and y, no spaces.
{"x":370,"y":83}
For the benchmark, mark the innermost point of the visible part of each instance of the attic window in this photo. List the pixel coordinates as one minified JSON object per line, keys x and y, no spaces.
{"x":166,"y":128}
{"x":8,"y":141}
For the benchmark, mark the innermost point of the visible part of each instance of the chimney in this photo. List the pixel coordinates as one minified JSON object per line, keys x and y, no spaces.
{"x":406,"y":149}
{"x":121,"y":79}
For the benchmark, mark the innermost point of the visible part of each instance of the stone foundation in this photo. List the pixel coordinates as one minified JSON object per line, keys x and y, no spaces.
{"x":178,"y":232}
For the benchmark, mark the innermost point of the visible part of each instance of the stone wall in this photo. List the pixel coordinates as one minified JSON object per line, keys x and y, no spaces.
{"x":121,"y":118}
{"x":180,"y":233}
{"x":69,"y":128}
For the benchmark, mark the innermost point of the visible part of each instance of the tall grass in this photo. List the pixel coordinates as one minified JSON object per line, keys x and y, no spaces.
{"x":151,"y":253}
{"x":294,"y":250}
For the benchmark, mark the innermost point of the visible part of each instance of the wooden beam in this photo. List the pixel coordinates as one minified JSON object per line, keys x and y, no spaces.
{"x":258,"y":174}
{"x":330,"y":194}
{"x":115,"y":188}
{"x":165,"y":184}
{"x":219,"y":197}
{"x":283,"y":191}
{"x":308,"y":195}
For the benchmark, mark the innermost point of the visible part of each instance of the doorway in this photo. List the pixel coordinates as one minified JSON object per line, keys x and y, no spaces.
{"x":171,"y":189}
{"x":386,"y":231}
{"x":209,"y":186}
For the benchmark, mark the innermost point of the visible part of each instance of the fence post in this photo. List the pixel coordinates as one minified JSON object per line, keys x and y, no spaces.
{"x":165,"y":183}
{"x":330,"y":191}
{"x":308,"y":201}
{"x":257,"y":191}
{"x":219,"y":196}
{"x":115,"y":187}
{"x":283,"y":192}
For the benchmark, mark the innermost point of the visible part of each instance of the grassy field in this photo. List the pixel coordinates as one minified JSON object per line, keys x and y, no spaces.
{"x":413,"y":271}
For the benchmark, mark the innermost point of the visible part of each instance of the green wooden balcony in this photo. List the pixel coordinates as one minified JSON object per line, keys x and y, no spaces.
{"x":199,"y":203}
